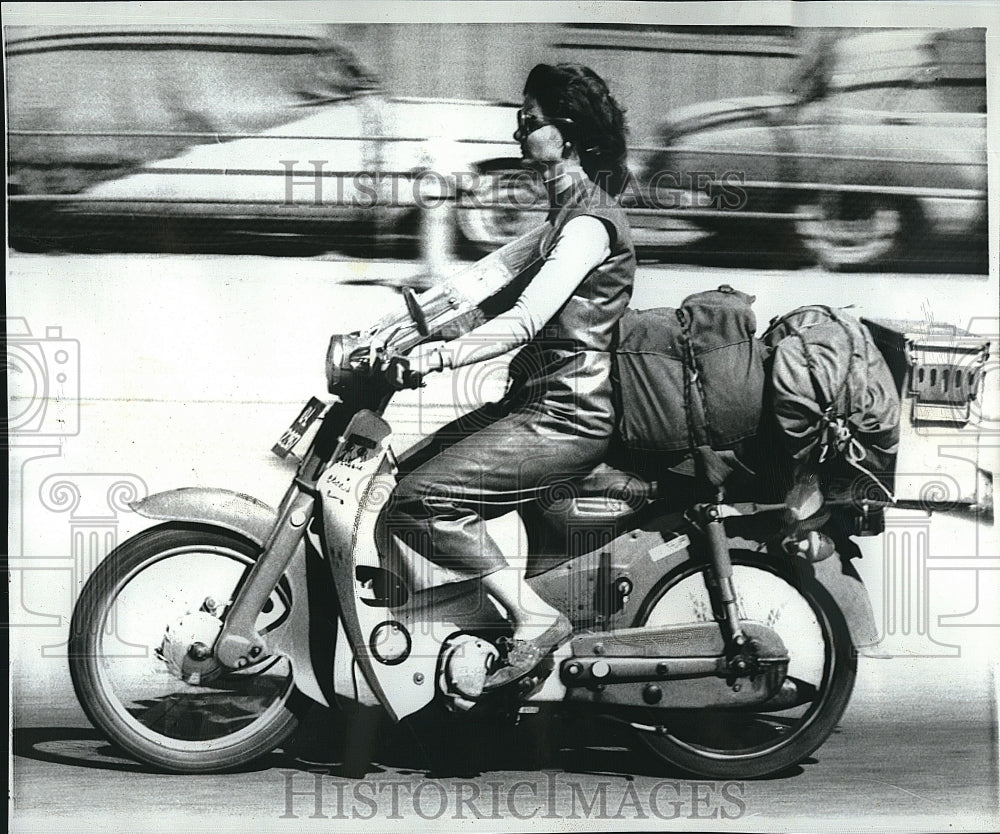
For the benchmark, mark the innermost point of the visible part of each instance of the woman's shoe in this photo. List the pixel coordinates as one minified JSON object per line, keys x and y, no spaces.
{"x":525,"y":655}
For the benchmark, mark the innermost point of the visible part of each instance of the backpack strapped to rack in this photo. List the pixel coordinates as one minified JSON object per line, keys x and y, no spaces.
{"x":690,"y":380}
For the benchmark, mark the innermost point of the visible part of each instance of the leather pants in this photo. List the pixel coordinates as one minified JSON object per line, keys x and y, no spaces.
{"x":479,"y":467}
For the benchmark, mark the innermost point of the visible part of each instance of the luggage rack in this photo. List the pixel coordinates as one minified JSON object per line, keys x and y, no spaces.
{"x":945,"y":379}
{"x":939,"y":371}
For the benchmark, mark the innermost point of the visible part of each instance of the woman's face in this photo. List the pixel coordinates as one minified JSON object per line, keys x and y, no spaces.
{"x":540,"y":140}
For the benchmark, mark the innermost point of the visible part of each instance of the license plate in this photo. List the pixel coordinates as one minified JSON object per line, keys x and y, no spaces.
{"x":294,"y":433}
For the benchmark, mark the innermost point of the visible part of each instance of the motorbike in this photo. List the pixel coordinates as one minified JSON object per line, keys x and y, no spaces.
{"x":716,"y":629}
{"x":707,"y":634}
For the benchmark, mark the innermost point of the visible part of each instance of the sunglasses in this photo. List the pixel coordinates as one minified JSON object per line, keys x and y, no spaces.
{"x":528,"y":123}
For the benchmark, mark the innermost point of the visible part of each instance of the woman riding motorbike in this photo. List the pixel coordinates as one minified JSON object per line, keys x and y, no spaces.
{"x":556,"y":418}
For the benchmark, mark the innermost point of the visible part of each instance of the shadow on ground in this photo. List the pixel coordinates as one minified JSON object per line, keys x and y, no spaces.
{"x":366,"y":742}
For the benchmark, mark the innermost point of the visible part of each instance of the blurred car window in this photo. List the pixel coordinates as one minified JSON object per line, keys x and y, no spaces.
{"x":898,"y":71}
{"x":161,"y":82}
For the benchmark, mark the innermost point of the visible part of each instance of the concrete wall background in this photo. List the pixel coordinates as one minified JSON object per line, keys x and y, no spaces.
{"x":650,"y":69}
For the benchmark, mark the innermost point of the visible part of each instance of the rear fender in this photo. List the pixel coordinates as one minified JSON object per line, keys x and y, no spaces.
{"x":646,"y":555}
{"x":252,"y":519}
{"x":848,"y":590}
{"x":838,"y":576}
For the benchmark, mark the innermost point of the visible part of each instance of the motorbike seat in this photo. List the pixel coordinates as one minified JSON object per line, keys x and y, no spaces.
{"x":607,"y":481}
{"x":603,"y":491}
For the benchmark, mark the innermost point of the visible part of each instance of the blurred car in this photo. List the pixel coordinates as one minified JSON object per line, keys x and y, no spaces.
{"x":879,"y":144}
{"x":233,"y":138}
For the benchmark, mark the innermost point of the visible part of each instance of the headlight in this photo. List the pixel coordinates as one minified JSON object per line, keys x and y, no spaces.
{"x":339,"y":366}
{"x":335,"y":355}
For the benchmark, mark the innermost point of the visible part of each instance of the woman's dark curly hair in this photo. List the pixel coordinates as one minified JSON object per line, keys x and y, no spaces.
{"x":577,"y":93}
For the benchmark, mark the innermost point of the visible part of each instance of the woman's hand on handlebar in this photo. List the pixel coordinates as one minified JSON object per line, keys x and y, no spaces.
{"x":409,"y":371}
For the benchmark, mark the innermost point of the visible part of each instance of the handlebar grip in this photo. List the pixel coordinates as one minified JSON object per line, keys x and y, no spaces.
{"x":399,"y":375}
{"x":412,"y":379}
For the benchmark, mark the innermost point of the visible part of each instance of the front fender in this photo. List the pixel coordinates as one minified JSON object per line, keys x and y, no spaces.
{"x":234,"y":511}
{"x":253,"y":519}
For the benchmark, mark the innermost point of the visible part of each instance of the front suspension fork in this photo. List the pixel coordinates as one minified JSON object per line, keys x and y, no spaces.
{"x":238,"y":643}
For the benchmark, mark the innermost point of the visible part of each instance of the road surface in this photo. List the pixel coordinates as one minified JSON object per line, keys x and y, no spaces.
{"x":894,"y":763}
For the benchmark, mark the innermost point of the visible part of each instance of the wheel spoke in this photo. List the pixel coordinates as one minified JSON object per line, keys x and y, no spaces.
{"x":160,"y":604}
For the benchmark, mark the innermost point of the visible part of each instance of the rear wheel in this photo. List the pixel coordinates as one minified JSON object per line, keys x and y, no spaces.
{"x":138,"y":653}
{"x":758,"y":741}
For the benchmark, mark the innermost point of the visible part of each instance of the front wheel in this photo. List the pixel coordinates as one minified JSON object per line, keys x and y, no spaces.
{"x":139,"y":661}
{"x":758,"y":741}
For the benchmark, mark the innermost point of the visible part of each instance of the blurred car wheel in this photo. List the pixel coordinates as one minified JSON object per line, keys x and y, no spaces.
{"x":852,"y":231}
{"x":504,"y":204}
